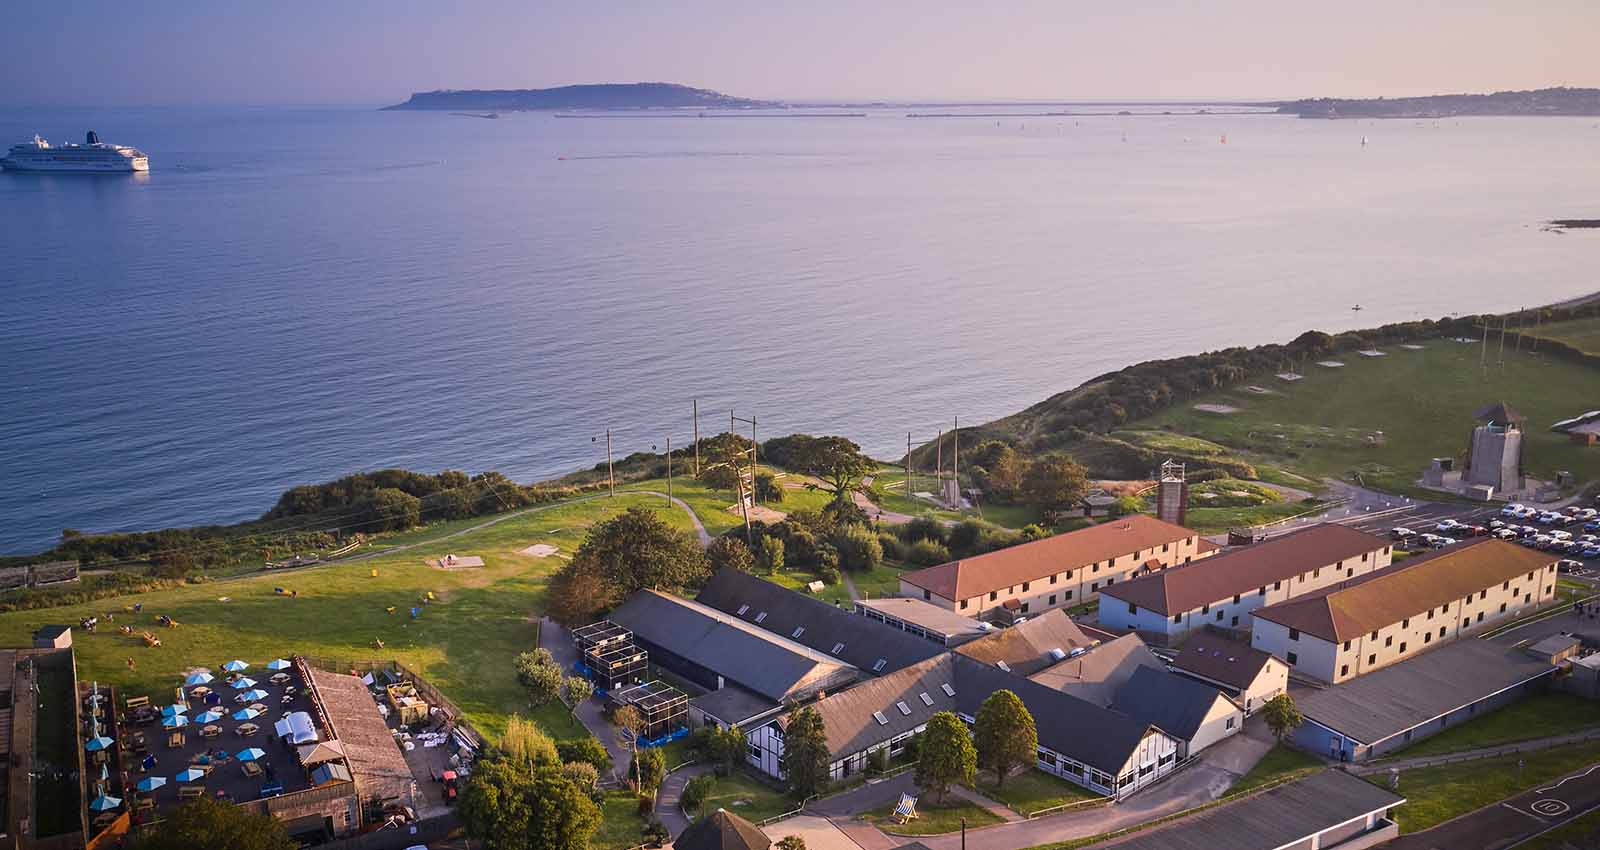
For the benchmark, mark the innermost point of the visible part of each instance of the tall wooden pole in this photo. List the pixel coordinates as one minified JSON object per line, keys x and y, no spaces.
{"x":908,"y":464}
{"x":955,"y":462}
{"x":697,"y":438}
{"x":611,"y":471}
{"x":744,"y":503}
{"x":669,"y":469}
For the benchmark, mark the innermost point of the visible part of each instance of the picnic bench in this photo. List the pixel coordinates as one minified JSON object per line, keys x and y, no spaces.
{"x":210,"y":730}
{"x":251,"y":769}
{"x":175,"y":740}
{"x":191,"y":792}
{"x":247,"y":729}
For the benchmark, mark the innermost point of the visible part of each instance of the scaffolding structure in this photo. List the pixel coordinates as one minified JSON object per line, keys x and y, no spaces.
{"x":616,"y":665}
{"x":663,"y":708}
{"x":600,"y":634}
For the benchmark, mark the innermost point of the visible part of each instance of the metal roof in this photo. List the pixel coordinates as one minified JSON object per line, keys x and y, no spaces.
{"x":1392,"y":699}
{"x":1097,"y":674}
{"x":1175,"y":704}
{"x":1228,"y":662}
{"x":1026,"y":647}
{"x":925,"y":615}
{"x":733,"y":704}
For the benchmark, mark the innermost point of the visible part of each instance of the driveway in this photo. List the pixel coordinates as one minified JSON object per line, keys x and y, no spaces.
{"x":559,"y":641}
{"x":669,"y":798}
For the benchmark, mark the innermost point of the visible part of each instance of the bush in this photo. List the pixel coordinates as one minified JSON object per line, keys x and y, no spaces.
{"x":927,"y":553}
{"x":924,"y":527}
{"x":878,"y":762}
{"x":858,"y":548}
{"x":891,"y":545}
{"x":697,"y":790}
{"x":729,"y":552}
{"x":829,"y":575}
{"x":587,"y":750}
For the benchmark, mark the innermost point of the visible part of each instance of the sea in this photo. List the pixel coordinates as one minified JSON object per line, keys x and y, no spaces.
{"x":293,"y":294}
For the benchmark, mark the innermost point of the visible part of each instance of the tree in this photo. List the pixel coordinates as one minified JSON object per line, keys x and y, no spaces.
{"x":630,"y":725}
{"x":805,"y":753}
{"x":1006,"y":736}
{"x":525,"y":743}
{"x":726,"y":746}
{"x":1125,"y":505}
{"x":858,"y":548}
{"x":582,"y":773}
{"x":727,"y":457}
{"x":205,"y":824}
{"x":509,"y":805}
{"x":579,"y":690}
{"x":696,"y":790}
{"x":540,"y":675}
{"x":767,"y":488}
{"x":945,"y":755}
{"x":729,"y":553}
{"x":838,"y":462}
{"x":391,"y":509}
{"x":588,"y":750}
{"x":1055,"y":483}
{"x":769,"y":557}
{"x":1283,"y":716}
{"x":791,"y":842}
{"x":637,"y":549}
{"x":578,"y":594}
{"x":649,"y":768}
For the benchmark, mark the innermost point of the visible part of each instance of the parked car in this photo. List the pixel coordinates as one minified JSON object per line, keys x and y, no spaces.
{"x":1592,"y":525}
{"x":1566,"y":565}
{"x":1513,"y":509}
{"x":1506,"y":534}
{"x":1401,"y":533}
{"x":1590,"y":553}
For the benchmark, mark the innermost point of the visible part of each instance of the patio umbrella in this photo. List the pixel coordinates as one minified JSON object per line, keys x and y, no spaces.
{"x":192,"y":774}
{"x":103,"y":803}
{"x":151,"y":783}
{"x":97,"y":744}
{"x":235,"y":666}
{"x":105,"y":773}
{"x":254,"y":696}
{"x":177,"y":721}
{"x":210,"y":715}
{"x":277,"y":664}
{"x":250,"y":754}
{"x":174,"y":710}
{"x":244,"y":682}
{"x":246,"y":714}
{"x":201,"y":678}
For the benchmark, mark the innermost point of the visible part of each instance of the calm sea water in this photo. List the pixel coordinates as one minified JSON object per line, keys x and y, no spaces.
{"x":296,"y":294}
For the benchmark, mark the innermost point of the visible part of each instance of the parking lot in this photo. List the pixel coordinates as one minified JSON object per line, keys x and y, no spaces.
{"x":1514,"y":820}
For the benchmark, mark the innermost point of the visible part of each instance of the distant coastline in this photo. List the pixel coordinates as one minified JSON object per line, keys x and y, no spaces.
{"x":605,"y":96}
{"x":1555,"y":102}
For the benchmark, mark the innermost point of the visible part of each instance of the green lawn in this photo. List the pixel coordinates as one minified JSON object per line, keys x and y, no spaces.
{"x":463,"y":642}
{"x":881,"y":581}
{"x":749,"y":798}
{"x":712,"y":506}
{"x":1421,"y":401}
{"x":1032,"y":790}
{"x":1582,"y":334}
{"x":620,"y":824}
{"x":934,"y":818}
{"x":1538,"y":716}
{"x":1437,"y":794}
{"x":1216,"y":520}
{"x":1280,"y":761}
{"x":797,"y":579}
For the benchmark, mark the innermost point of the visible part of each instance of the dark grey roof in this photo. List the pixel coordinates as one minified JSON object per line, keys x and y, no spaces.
{"x":733,"y":704}
{"x":851,"y":717}
{"x":1096,"y":675}
{"x":1279,"y":817}
{"x":1027,"y":647}
{"x":1390,"y":700}
{"x":51,"y":632}
{"x":722,"y":830}
{"x":1172,"y":703}
{"x":778,"y":669}
{"x":814,"y":623}
{"x":1231,"y":663}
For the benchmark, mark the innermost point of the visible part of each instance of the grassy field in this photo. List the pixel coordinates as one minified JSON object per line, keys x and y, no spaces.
{"x":1215,"y":520}
{"x":1032,"y":790}
{"x":1421,"y":401}
{"x":463,"y":642}
{"x":1582,"y":334}
{"x":934,"y":818}
{"x":748,"y":798}
{"x":1437,"y":794}
{"x":1280,"y":761}
{"x":620,"y":824}
{"x":1539,"y":716}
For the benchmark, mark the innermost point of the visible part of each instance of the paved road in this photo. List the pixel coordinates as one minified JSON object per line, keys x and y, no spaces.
{"x":669,"y":799}
{"x":1519,"y":818}
{"x":559,"y":641}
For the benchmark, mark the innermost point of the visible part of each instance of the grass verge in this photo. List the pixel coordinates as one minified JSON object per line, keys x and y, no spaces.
{"x":1539,"y":716}
{"x":1032,"y":790}
{"x":1280,"y":761}
{"x":1437,"y":794}
{"x":934,"y":818}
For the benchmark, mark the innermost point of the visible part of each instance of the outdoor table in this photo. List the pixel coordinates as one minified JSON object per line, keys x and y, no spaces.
{"x":210,"y":730}
{"x":174,"y":740}
{"x":199,"y":692}
{"x":278,"y":678}
{"x":258,"y":707}
{"x":247,"y":729}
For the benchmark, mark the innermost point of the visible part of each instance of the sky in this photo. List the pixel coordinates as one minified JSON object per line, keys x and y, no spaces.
{"x":102,"y":53}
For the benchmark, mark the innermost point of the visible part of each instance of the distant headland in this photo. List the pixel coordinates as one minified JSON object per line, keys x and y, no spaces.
{"x":1556,"y":101}
{"x":602,"y":96}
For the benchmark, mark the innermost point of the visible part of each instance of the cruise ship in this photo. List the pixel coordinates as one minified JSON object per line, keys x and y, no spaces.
{"x":91,"y":156}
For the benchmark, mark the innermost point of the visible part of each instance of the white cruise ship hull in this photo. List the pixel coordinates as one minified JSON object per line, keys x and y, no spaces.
{"x":107,"y":165}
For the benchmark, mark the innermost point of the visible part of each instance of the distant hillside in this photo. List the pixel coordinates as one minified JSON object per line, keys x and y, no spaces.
{"x":605,"y":96}
{"x":1558,"y":101}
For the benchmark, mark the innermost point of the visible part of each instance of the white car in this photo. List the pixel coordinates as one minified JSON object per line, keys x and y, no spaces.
{"x":1506,"y":534}
{"x":1561,"y":535}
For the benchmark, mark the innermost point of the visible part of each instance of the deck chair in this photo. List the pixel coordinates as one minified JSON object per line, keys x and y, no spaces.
{"x":906,"y":810}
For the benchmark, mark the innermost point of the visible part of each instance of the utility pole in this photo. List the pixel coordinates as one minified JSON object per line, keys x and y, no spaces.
{"x":1503,"y":322}
{"x":938,"y":462}
{"x":1483,"y":357}
{"x":908,"y":465}
{"x":755,"y":458}
{"x":611,"y":471}
{"x":696,"y":403}
{"x":744,"y":502}
{"x":955,"y":463}
{"x":669,"y":468}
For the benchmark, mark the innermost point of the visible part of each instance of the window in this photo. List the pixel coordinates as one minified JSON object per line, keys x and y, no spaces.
{"x":1164,"y":546}
{"x":904,"y":709}
{"x":1526,"y":598}
{"x":1364,"y":557}
{"x":1094,"y":587}
{"x":878,"y":716}
{"x":1430,"y":613}
{"x":1482,"y":595}
{"x":1177,"y":618}
{"x":1547,"y":588}
{"x":1262,"y":591}
{"x":1466,"y":621}
{"x":993,"y":595}
{"x":1372,"y":659}
{"x":761,"y":616}
{"x":1388,"y":641}
{"x":1235,"y":620}
{"x":948,"y":691}
{"x":1003,"y":666}
{"x":1441,"y":632}
{"x":1052,"y":599}
{"x":1316,"y":572}
{"x":1236,"y":599}
{"x":1480,"y":616}
{"x":799,"y":630}
{"x":1293,"y":659}
{"x":1402,"y":647}
{"x":1095,"y":569}
{"x":1132,"y":608}
{"x":1220,"y":612}
{"x":1110,"y":581}
{"x":1427,"y":638}
{"x":1068,"y":596}
{"x":1166,"y":759}
{"x":742,"y":609}
{"x":1347,"y":646}
{"x":1053,"y":579}
{"x":1205,"y":609}
{"x":1230,"y":723}
{"x":926,"y":596}
{"x":926,"y":700}
{"x":1024,"y":587}
{"x":1406,"y":623}
{"x":1344,"y":670}
{"x":1024,"y":607}
{"x":1277,"y":585}
{"x":1294,"y":634}
{"x":1374,"y":636}
{"x":1506,"y":585}
{"x":1350,"y":573}
{"x":838,"y":648}
{"x":1502,"y":607}
{"x":877,"y":666}
{"x":963,"y":604}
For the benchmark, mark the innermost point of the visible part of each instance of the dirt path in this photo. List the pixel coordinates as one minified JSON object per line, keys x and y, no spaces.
{"x":883,"y":516}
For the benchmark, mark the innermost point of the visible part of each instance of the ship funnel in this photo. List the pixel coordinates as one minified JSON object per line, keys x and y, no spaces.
{"x":93,"y":138}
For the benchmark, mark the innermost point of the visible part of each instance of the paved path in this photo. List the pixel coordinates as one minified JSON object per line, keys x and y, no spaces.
{"x":559,"y":641}
{"x":875,"y":512}
{"x":669,"y":799}
{"x":1505,"y":823}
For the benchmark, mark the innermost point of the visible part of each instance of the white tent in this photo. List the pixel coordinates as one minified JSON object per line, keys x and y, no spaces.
{"x":297,"y":728}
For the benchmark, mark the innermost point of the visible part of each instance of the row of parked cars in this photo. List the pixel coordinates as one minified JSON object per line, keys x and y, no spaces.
{"x":1584,"y":544}
{"x":1559,"y":519}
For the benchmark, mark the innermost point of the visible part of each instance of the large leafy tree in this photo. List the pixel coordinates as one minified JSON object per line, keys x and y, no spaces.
{"x":1005,"y":733}
{"x":1055,"y":483}
{"x":649,"y":768}
{"x":538,"y":672}
{"x":1282,"y":715}
{"x":838,"y":463}
{"x":637,"y":549}
{"x":509,"y":804}
{"x":579,"y":593}
{"x":730,"y":553}
{"x":945,"y":755}
{"x":206,"y":824}
{"x":805,"y":753}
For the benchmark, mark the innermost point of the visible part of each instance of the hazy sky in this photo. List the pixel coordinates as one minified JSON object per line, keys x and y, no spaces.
{"x":97,"y":52}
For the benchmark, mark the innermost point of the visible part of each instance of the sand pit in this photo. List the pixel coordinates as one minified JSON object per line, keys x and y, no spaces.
{"x":539,"y":550}
{"x":1289,"y":376}
{"x":1330,"y":364}
{"x":455,"y":562}
{"x":1409,"y":347}
{"x":1372,"y":352}
{"x":1216,"y":408}
{"x":759,"y":513}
